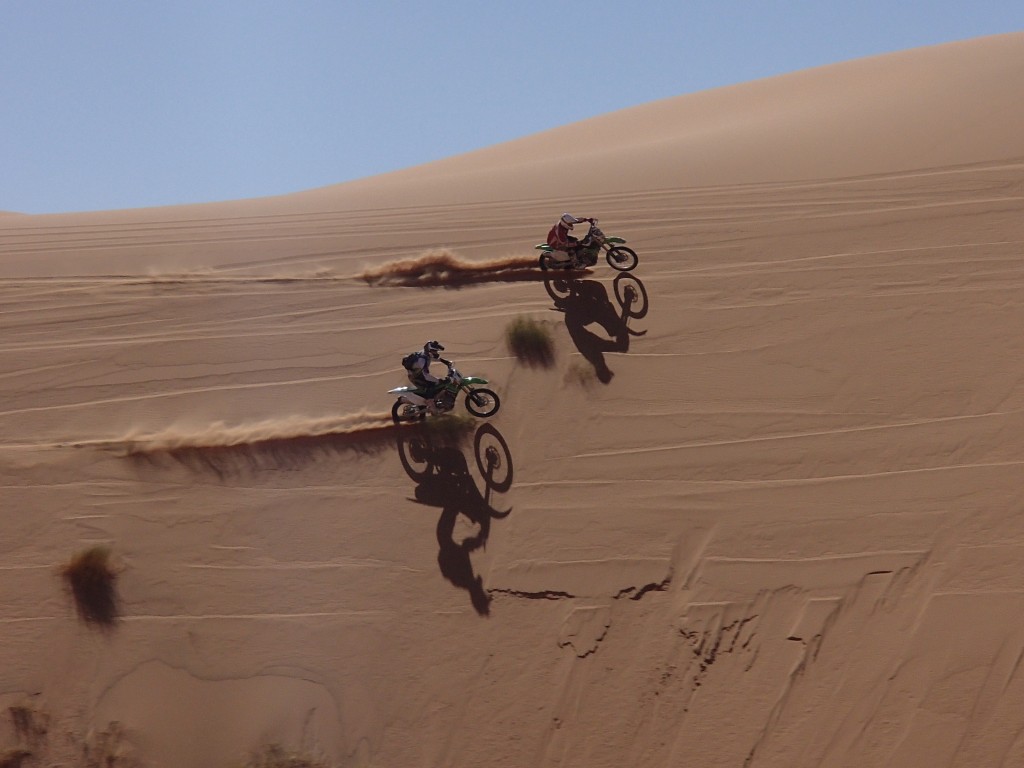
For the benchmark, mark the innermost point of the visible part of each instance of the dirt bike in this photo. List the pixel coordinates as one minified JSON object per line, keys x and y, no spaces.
{"x":413,"y":403}
{"x":586,"y":252}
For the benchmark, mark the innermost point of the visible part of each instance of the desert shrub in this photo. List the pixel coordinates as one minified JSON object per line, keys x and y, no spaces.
{"x":106,"y":748}
{"x":109,"y":748}
{"x":14,"y":758}
{"x":580,"y":374}
{"x":276,"y":756}
{"x":30,"y":724}
{"x":448,"y":428}
{"x":92,"y":580}
{"x":531,"y":342}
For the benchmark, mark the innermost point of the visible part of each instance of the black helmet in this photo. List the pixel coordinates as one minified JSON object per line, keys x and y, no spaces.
{"x":433,"y":349}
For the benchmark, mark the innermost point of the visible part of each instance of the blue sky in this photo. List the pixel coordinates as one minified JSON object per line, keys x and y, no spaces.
{"x":124,"y":104}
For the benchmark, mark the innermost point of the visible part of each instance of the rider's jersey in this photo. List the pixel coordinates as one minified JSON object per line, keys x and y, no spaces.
{"x":419,"y":371}
{"x":558,"y":235}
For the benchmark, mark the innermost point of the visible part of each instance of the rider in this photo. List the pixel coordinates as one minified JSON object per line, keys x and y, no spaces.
{"x":417,"y":365}
{"x":559,"y":237}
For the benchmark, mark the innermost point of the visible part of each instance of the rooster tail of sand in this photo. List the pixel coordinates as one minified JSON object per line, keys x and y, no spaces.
{"x":442,"y":266}
{"x":220,"y":435}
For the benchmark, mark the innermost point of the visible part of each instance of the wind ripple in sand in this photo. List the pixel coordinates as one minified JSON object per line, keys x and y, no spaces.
{"x":218,"y":435}
{"x":444,"y":267}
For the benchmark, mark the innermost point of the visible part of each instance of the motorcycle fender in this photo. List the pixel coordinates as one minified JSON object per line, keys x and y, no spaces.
{"x":473,"y":380}
{"x":406,"y":395}
{"x":543,"y":247}
{"x":614,"y":240}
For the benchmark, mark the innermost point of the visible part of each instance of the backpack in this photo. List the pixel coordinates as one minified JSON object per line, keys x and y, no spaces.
{"x":409,"y":361}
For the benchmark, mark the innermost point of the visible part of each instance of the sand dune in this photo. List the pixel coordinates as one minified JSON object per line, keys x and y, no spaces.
{"x":761,"y":510}
{"x":941,"y":106}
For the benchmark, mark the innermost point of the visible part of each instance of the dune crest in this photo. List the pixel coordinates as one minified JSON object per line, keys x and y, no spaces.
{"x":940,"y":105}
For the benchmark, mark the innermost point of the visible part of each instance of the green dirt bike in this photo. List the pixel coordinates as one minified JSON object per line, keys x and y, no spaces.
{"x":413,"y":404}
{"x":585,"y":254}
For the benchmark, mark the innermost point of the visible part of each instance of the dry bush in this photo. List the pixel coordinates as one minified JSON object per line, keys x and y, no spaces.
{"x":30,"y":724}
{"x":580,"y":374}
{"x":531,"y":342}
{"x":14,"y":758}
{"x":109,"y":748}
{"x":30,"y":729}
{"x":106,"y":748}
{"x":276,"y":756}
{"x":92,"y":580}
{"x":448,"y":428}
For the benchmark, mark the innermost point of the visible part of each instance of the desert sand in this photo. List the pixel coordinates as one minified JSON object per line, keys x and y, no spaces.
{"x":766,"y":508}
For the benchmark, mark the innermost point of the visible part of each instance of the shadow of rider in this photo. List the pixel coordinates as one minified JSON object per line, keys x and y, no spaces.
{"x":444,"y":480}
{"x":586,"y":303}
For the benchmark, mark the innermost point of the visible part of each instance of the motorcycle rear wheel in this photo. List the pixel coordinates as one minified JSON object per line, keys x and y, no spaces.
{"x":417,"y":457}
{"x":558,"y":288}
{"x":402,"y":412}
{"x":548,"y":261}
{"x":622,"y":258}
{"x":482,"y":402}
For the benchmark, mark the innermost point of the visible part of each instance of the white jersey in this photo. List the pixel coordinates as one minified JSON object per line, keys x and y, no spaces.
{"x":420,"y":370}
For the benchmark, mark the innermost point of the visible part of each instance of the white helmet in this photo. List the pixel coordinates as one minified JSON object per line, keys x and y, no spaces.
{"x":568,"y":219}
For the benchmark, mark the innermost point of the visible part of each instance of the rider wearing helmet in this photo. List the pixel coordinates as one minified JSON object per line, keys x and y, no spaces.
{"x":417,"y":365}
{"x":559,"y":237}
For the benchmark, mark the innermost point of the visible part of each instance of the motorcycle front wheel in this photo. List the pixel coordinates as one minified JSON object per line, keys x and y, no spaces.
{"x":482,"y":402}
{"x":406,"y":412}
{"x":622,"y":258}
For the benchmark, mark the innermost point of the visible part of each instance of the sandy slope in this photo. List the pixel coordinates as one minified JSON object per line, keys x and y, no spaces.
{"x":766,"y":515}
